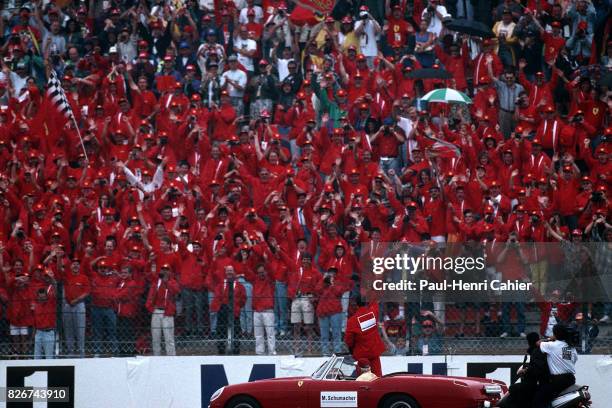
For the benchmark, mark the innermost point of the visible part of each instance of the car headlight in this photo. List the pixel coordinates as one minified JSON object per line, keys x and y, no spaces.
{"x":492,"y":389}
{"x":217,"y":394}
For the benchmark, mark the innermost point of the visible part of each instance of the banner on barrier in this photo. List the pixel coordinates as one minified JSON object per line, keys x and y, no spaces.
{"x":190,"y":381}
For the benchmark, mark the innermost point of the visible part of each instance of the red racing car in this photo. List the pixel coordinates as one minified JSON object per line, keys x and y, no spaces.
{"x":333,"y":385}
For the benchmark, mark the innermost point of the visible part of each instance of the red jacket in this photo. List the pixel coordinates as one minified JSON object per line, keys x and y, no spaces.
{"x":263,"y":294}
{"x":163,"y":293}
{"x":128,"y":298}
{"x":362,"y":337}
{"x":222,"y":297}
{"x":329,"y":297}
{"x":192,"y":273}
{"x":45,"y":312}
{"x":302,"y":281}
{"x":19,"y":313}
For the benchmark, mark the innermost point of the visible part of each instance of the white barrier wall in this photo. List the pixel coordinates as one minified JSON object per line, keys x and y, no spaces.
{"x":160,"y":382}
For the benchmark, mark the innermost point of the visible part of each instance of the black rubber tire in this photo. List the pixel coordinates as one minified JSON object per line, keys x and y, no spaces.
{"x":243,"y":402}
{"x":396,"y":400}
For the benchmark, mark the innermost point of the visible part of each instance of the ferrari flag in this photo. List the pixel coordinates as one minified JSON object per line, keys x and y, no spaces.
{"x":321,"y":6}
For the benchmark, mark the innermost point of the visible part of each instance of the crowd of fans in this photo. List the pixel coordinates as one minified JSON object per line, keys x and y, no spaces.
{"x":229,"y":161}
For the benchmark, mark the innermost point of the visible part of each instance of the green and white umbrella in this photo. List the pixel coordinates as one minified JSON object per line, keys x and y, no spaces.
{"x":447,"y":95}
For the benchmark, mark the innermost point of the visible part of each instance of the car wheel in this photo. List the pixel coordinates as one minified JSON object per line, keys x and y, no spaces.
{"x":243,"y":402}
{"x":400,"y":401}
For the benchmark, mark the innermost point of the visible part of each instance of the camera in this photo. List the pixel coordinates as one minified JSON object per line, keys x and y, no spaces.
{"x":363,"y":15}
{"x":597,"y":197}
{"x":218,"y":237}
{"x":20,"y":234}
{"x":327,"y":279}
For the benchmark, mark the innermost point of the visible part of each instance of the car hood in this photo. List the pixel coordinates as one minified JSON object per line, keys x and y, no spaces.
{"x":465,"y":380}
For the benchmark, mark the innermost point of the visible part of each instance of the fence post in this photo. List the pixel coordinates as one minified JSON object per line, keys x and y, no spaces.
{"x":230,"y":326}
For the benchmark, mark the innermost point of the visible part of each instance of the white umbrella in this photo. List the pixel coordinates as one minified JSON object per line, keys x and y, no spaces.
{"x":446,"y":95}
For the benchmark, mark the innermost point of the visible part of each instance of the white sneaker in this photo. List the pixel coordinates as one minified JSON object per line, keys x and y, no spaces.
{"x":523,"y":335}
{"x":604,"y":319}
{"x":504,"y":335}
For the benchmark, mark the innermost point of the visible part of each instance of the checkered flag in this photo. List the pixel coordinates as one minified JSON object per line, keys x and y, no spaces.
{"x":57,"y":97}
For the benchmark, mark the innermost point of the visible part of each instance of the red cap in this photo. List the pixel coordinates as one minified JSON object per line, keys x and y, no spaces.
{"x":555,"y":24}
{"x":576,"y":232}
{"x":549,"y":109}
{"x":536,"y":141}
{"x":363,"y":362}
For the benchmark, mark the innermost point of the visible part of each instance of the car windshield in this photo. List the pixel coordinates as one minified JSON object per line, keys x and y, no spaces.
{"x":336,"y":368}
{"x":319,"y":372}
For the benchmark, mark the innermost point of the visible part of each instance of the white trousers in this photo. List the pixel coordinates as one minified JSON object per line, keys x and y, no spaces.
{"x":264,"y":321}
{"x":165,"y":324}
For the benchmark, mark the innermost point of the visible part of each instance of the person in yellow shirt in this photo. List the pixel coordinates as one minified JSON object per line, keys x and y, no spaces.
{"x":366,"y":373}
{"x":504,"y":31}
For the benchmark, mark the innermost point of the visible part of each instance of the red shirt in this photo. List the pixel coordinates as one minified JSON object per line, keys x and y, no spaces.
{"x":103,"y":290}
{"x":76,"y":286}
{"x":397,"y":33}
{"x":329,"y":297}
{"x":552,"y":46}
{"x":302,"y":281}
{"x":263,"y":294}
{"x":19,"y":313}
{"x":436,"y":209}
{"x":565,"y":196}
{"x":45,"y":312}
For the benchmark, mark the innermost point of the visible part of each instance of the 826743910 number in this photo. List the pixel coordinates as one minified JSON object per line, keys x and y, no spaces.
{"x":36,"y":394}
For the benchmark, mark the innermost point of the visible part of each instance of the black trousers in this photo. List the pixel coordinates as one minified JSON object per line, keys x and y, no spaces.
{"x":550,"y":390}
{"x":226,"y":326}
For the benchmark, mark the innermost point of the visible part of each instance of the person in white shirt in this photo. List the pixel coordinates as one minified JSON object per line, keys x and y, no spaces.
{"x":436,"y":14}
{"x":245,"y":48}
{"x":136,"y":179}
{"x":367,"y":30}
{"x":561,"y":356}
{"x":243,"y":19}
{"x":235,"y":81}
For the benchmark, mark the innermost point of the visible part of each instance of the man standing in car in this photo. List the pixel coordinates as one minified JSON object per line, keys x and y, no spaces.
{"x":362,"y":336}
